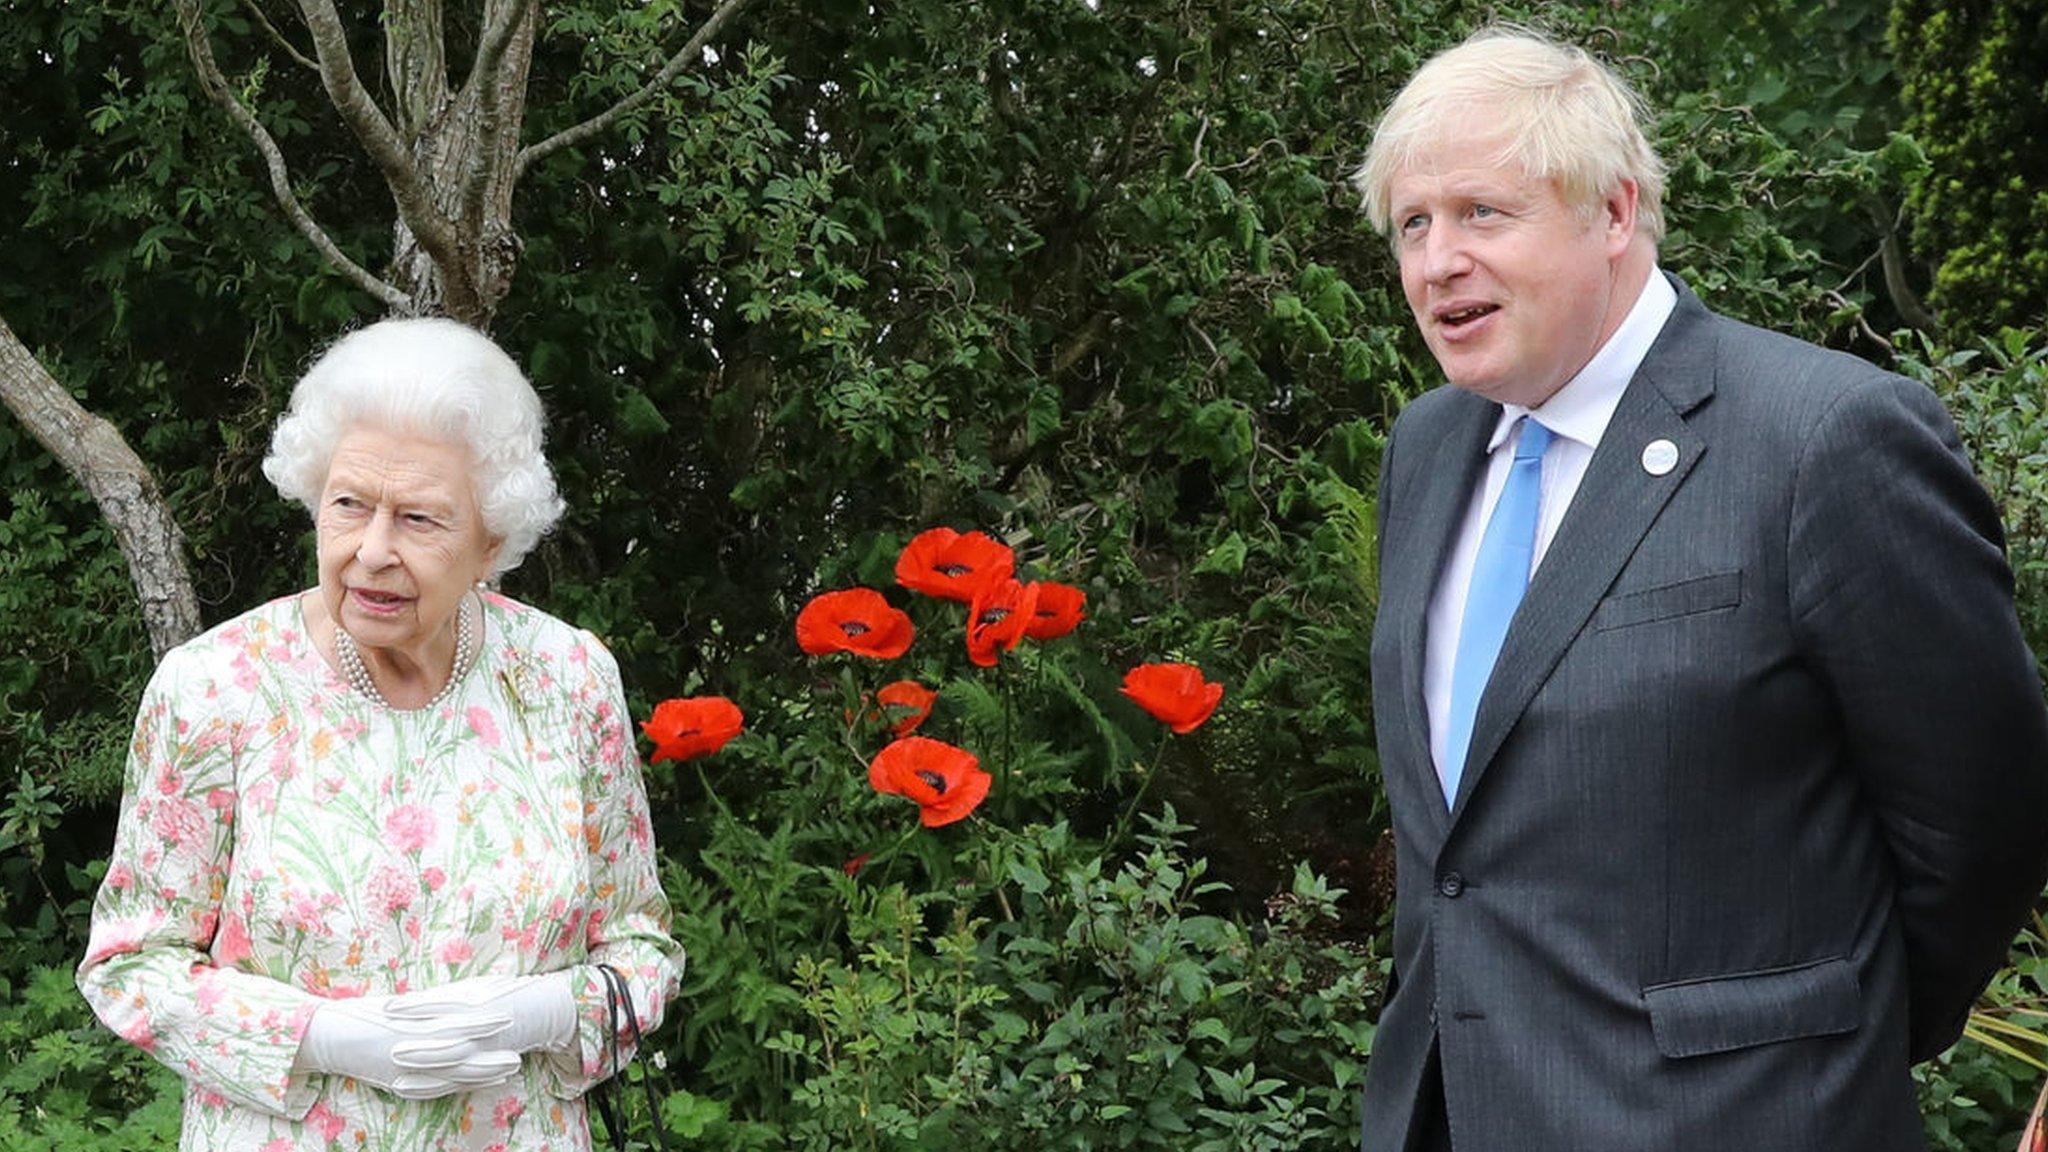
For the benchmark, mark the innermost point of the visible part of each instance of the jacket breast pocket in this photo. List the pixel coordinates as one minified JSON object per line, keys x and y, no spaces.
{"x":1666,"y":601}
{"x":1726,"y":1013}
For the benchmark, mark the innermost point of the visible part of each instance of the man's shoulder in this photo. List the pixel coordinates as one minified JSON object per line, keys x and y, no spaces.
{"x":1776,"y":379}
{"x":1742,"y":344}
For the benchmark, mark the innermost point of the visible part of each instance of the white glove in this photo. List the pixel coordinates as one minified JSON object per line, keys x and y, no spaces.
{"x":414,"y":1059}
{"x":542,"y":1008}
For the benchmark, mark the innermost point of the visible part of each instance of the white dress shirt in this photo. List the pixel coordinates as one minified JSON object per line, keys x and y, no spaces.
{"x":1578,"y":413}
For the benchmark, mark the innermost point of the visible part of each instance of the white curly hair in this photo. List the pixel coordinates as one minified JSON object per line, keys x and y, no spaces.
{"x":434,"y":378}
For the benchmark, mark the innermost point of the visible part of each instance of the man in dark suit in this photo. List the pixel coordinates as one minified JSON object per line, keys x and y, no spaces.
{"x":1718,"y":767}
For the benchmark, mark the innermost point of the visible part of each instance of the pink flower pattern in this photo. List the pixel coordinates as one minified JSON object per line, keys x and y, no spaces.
{"x":244,"y":888}
{"x":486,"y":728}
{"x":389,"y":890}
{"x":409,"y":828}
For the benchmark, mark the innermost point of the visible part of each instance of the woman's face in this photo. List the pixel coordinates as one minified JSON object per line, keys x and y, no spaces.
{"x":401,"y":538}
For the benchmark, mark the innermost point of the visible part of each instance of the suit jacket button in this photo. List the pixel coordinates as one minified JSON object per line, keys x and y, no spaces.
{"x":1451,"y":885}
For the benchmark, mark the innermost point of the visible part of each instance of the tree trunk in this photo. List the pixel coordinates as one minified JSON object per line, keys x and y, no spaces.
{"x":465,"y":144}
{"x":98,"y":458}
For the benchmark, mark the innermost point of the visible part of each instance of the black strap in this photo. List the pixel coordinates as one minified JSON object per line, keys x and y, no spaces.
{"x":621,"y":1018}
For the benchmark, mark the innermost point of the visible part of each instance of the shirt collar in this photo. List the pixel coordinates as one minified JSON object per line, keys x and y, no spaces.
{"x":1582,"y":408}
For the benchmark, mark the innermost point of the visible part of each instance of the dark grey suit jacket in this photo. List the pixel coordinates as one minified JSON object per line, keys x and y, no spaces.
{"x":1758,"y":792}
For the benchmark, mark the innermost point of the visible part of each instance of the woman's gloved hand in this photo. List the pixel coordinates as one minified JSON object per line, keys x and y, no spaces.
{"x":418,"y":1059}
{"x":542,"y":1008}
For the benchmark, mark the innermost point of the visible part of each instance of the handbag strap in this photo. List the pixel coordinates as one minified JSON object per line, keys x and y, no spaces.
{"x":620,"y":1018}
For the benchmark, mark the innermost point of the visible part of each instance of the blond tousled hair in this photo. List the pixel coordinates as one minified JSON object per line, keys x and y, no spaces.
{"x":1560,"y":113}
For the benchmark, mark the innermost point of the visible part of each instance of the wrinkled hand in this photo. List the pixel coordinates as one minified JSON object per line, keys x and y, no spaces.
{"x":542,"y":1009}
{"x":417,"y":1059}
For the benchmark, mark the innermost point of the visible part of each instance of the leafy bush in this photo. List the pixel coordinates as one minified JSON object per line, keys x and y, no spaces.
{"x":1975,"y":79}
{"x":1013,"y":977}
{"x":1098,"y":1007}
{"x":65,"y":1082}
{"x":1978,"y":1093}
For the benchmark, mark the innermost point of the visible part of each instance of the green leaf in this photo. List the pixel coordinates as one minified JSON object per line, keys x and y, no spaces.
{"x":637,"y":415}
{"x":1225,"y":559}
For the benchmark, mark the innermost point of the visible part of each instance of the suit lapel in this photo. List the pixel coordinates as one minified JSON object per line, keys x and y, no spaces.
{"x":1452,"y":457}
{"x":1616,"y":503}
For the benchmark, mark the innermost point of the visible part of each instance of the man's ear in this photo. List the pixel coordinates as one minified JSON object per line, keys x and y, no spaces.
{"x":1618,"y":216}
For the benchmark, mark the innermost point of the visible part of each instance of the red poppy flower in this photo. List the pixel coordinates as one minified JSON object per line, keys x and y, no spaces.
{"x":997,"y":618}
{"x":905,"y":704}
{"x":1058,"y":612}
{"x":946,"y":782}
{"x":857,"y":620}
{"x":952,"y":565}
{"x":856,"y":864}
{"x":1174,"y":694}
{"x":695,"y":726}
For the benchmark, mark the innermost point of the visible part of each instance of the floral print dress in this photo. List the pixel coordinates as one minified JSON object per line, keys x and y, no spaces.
{"x":283,"y":840}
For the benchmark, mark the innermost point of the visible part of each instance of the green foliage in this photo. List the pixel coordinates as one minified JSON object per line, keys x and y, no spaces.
{"x":151,"y":273}
{"x":64,"y":704}
{"x":1030,"y":977}
{"x":1081,"y":278}
{"x":69,"y":1084}
{"x":65,"y":1082}
{"x":1086,"y":276}
{"x":1787,"y":172}
{"x":1975,"y":84}
{"x":1977,"y":1095}
{"x":1085,"y":1006}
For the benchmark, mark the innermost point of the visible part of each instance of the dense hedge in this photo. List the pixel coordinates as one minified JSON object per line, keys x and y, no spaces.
{"x":1975,"y":83}
{"x":1087,"y":277}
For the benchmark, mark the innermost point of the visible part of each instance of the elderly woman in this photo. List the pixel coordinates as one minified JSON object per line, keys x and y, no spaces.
{"x":384,"y":876}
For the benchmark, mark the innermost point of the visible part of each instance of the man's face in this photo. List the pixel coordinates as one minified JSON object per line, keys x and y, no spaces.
{"x":1514,"y":289}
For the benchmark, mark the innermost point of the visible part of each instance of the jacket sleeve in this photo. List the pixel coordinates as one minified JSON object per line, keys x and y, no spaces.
{"x":628,"y":923}
{"x":160,"y":966}
{"x":1903,"y":600}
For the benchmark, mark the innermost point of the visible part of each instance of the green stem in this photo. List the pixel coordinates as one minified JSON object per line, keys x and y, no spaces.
{"x":774,"y":935}
{"x":853,"y":705}
{"x":1008,"y":684}
{"x":1130,"y":813}
{"x":999,"y":874}
{"x":710,"y":792}
{"x":887,"y":854}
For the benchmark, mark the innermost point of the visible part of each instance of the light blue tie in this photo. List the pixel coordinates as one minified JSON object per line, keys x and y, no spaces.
{"x":1499,"y":577}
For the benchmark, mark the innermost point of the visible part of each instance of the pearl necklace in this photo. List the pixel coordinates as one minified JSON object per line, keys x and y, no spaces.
{"x":358,"y":675}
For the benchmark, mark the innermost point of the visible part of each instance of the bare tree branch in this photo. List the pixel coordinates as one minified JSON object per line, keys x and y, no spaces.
{"x":1911,"y":309}
{"x":490,"y":52}
{"x":1195,"y":165}
{"x":415,"y":65}
{"x":256,"y":9}
{"x":216,"y":84}
{"x":683,"y":57}
{"x":101,"y":461}
{"x":1066,"y":355}
{"x":486,"y":85}
{"x":409,"y":187}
